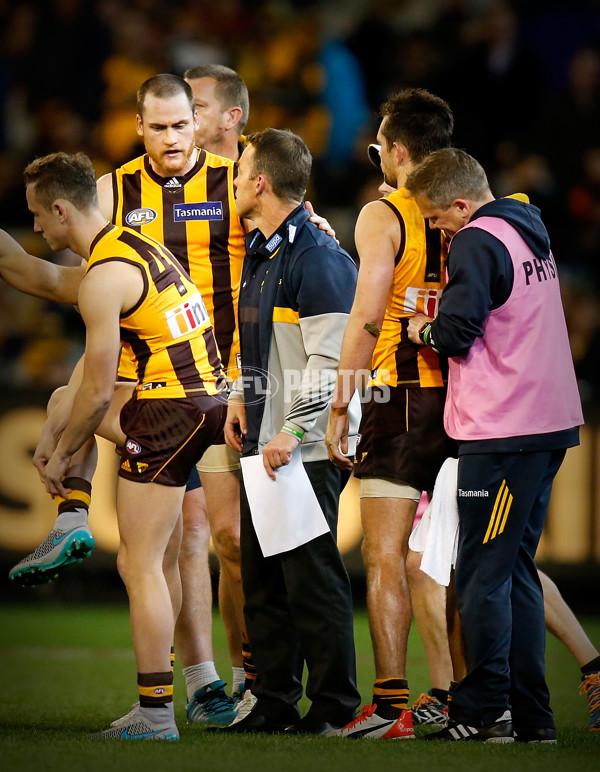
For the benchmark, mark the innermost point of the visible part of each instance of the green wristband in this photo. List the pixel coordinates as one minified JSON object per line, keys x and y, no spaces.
{"x":294,"y":432}
{"x":424,"y":333}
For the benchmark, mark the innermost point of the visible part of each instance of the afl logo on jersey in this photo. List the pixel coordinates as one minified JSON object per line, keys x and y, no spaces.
{"x":140,"y":217}
{"x":133,"y":447}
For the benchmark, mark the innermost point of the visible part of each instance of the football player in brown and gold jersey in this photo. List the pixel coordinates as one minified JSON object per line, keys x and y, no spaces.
{"x":403,"y":444}
{"x":134,"y":294}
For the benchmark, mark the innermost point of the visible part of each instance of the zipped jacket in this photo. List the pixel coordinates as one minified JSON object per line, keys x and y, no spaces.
{"x":296,"y":294}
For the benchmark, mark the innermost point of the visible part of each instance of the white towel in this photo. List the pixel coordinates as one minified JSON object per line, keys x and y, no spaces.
{"x":436,"y":536}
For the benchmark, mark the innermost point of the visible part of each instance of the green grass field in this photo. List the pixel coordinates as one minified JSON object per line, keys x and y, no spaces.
{"x":69,"y":670}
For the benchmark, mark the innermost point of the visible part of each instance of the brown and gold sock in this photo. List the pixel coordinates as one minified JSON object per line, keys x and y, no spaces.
{"x":390,"y":696}
{"x":73,"y":510}
{"x":155,"y":689}
{"x":249,"y":667}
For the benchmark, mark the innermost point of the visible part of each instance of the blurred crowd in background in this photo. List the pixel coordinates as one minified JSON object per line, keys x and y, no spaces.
{"x":522,"y":77}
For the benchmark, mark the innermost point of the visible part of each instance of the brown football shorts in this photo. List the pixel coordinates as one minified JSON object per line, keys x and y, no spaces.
{"x":167,"y":437}
{"x":403,"y":438}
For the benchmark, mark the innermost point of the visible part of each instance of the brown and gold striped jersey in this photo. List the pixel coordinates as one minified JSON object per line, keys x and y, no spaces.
{"x":195,"y":217}
{"x":419,"y":277}
{"x":168,"y":333}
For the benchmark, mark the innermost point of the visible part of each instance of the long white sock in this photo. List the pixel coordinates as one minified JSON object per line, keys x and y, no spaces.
{"x":197,"y":676}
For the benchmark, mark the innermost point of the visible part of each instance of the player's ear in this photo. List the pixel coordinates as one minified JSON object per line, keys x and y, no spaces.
{"x":139,"y":125}
{"x":261,"y":184}
{"x":59,"y":209}
{"x":232,"y":117}
{"x":401,"y":152}
{"x":464,"y":208}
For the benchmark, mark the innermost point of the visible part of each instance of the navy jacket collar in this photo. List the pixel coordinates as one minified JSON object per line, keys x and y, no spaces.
{"x":259,"y":246}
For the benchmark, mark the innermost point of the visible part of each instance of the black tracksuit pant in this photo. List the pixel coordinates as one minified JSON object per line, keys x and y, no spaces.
{"x":502,"y":504}
{"x":298,"y":608}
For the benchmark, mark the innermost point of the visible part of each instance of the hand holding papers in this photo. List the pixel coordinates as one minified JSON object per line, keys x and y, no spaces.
{"x":285,"y":512}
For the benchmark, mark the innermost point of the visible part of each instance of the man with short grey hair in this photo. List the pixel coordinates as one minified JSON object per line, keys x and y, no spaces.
{"x":513,"y":406}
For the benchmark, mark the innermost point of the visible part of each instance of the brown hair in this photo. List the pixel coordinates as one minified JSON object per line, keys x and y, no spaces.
{"x":231,"y":91}
{"x":420,"y":121}
{"x":63,"y":175}
{"x":163,"y":86}
{"x":447,"y":175}
{"x":286,"y":160}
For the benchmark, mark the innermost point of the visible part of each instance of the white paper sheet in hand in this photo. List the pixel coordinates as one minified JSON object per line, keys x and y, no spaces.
{"x":285,"y":512}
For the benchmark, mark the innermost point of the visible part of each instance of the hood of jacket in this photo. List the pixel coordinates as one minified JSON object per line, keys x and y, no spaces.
{"x":525,"y":218}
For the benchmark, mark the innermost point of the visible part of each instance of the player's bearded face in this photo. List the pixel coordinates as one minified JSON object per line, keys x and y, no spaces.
{"x":167,"y":128}
{"x":389,"y":171}
{"x":176,"y":160}
{"x":386,"y":157}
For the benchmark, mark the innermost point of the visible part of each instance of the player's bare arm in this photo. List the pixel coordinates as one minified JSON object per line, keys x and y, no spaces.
{"x":106,"y":196}
{"x":377,"y":237}
{"x":106,"y":292}
{"x":35,"y":276}
{"x":57,"y":419}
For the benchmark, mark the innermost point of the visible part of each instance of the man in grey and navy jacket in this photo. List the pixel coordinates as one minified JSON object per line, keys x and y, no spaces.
{"x":296,"y":293}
